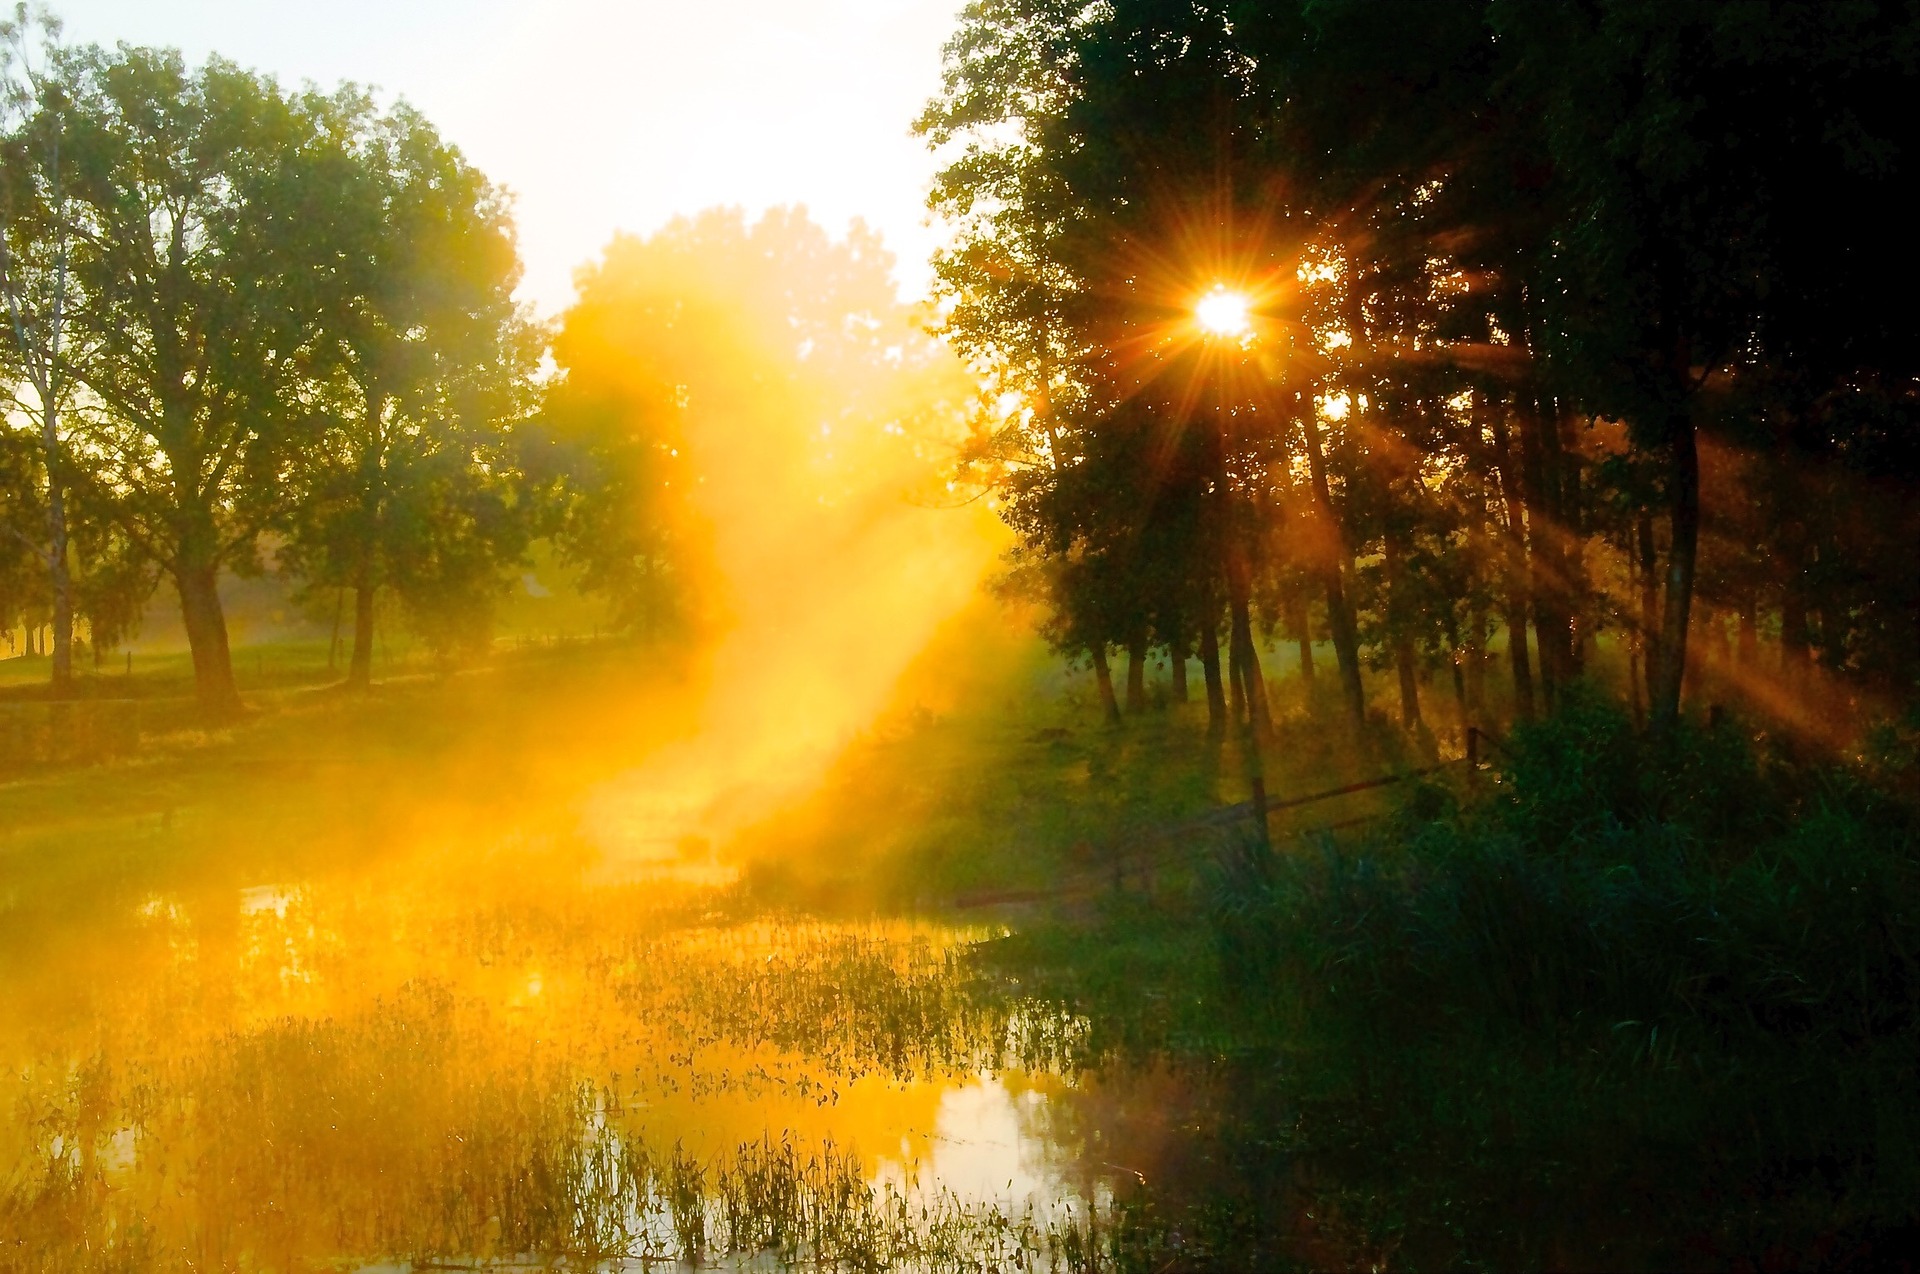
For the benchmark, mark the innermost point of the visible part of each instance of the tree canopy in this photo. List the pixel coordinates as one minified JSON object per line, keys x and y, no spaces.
{"x":1548,"y":309}
{"x":252,"y":328}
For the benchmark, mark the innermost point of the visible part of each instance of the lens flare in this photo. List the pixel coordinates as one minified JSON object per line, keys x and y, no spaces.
{"x":1224,"y":313}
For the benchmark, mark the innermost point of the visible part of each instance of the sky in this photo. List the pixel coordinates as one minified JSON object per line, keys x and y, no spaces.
{"x":604,"y":116}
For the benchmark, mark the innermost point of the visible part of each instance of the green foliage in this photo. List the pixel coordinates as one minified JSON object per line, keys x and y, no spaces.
{"x":1509,"y":266}
{"x":422,"y":371}
{"x":1605,"y":879}
{"x":236,"y":310}
{"x":1620,"y":942}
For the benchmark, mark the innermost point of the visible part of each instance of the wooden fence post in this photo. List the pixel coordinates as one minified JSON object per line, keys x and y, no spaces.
{"x":1260,"y":811}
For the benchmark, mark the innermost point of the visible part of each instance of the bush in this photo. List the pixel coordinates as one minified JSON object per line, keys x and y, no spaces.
{"x":1607,"y":881}
{"x":1690,"y":961}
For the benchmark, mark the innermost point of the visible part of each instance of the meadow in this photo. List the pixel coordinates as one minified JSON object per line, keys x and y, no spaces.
{"x":350,"y":982}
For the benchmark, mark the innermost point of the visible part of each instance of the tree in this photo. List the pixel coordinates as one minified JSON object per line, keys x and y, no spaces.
{"x":738,"y":402}
{"x":23,"y":577}
{"x":36,"y":277}
{"x":1099,"y":191}
{"x":423,"y":365}
{"x":1542,"y":253}
{"x":201,"y":232}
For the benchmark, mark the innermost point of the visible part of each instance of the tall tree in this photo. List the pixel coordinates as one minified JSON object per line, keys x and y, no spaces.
{"x":424,"y":364}
{"x":36,"y":277}
{"x":1522,"y":274}
{"x":202,"y":235}
{"x":23,"y":578}
{"x":735,"y":397}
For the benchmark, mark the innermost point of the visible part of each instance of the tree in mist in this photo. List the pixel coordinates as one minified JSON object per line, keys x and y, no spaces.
{"x":1075,"y":206}
{"x":720,"y":370}
{"x":23,"y":578}
{"x":233,"y":311}
{"x":421,"y":364}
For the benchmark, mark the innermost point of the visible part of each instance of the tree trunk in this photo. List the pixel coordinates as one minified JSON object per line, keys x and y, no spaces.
{"x":1177,"y":665}
{"x":1514,"y":607}
{"x":1409,"y":686}
{"x":1795,"y":640}
{"x":1635,"y":699}
{"x":1476,"y":660}
{"x":333,"y":643}
{"x":1216,"y":687}
{"x":1516,"y":620}
{"x":1252,"y":683}
{"x":1719,"y":645}
{"x":1398,"y":619}
{"x":1569,"y":554}
{"x":58,"y":576}
{"x":1748,"y":652}
{"x":1474,"y":657}
{"x":1636,"y":636}
{"x":206,"y":623}
{"x":360,"y":666}
{"x":1340,"y":622}
{"x":1303,"y":632}
{"x":1103,"y":675}
{"x":1236,"y":678}
{"x":1541,"y":556}
{"x":1682,"y":556}
{"x":1137,"y":674}
{"x":1544,"y":642}
{"x":1649,"y":599}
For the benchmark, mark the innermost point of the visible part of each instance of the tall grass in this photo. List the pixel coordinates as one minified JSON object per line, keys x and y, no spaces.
{"x":1683,"y":968}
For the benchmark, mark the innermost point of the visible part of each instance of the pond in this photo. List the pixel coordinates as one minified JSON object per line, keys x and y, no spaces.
{"x":506,"y":1059}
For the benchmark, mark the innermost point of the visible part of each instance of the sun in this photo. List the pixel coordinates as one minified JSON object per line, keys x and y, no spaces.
{"x":1224,"y":313}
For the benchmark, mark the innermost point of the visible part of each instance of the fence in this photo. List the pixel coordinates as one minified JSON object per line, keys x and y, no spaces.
{"x":81,"y":731}
{"x":1134,"y":854}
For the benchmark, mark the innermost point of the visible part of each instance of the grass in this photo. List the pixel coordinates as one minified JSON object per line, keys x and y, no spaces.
{"x":1014,"y":782}
{"x":338,"y":982}
{"x":1628,"y":1003}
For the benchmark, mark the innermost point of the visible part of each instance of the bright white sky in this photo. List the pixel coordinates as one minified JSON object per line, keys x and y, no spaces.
{"x":602,"y":115}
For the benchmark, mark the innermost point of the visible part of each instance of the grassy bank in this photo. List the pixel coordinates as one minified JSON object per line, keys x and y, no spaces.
{"x":1618,"y":1003}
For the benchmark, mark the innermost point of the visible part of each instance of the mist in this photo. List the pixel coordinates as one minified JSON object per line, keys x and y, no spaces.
{"x":809,"y":422}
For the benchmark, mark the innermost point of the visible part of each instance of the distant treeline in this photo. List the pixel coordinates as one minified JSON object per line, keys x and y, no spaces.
{"x":248,"y":328}
{"x":1562,"y":319}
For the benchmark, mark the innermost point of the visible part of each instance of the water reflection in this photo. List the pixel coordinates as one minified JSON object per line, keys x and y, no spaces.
{"x":458,"y":1061}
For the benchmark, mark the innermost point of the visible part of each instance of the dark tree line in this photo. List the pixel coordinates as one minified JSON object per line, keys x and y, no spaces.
{"x":1564,"y":319}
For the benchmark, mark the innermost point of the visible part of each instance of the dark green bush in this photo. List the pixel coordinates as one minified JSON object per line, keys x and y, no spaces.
{"x":1609,"y":884}
{"x":1683,"y":968}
